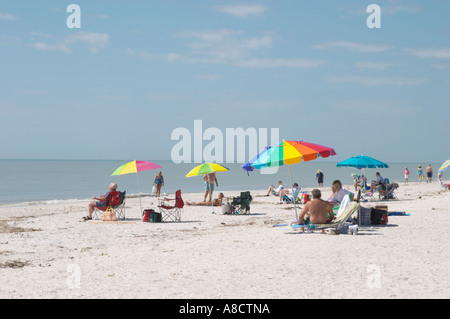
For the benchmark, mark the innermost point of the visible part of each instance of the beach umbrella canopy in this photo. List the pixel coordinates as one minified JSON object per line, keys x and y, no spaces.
{"x":362,"y":161}
{"x":444,"y":166}
{"x":136,"y":167}
{"x":288,"y":152}
{"x":206,"y":168}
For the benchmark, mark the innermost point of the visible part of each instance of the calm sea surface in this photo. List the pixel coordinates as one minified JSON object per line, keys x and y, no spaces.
{"x":31,"y":182}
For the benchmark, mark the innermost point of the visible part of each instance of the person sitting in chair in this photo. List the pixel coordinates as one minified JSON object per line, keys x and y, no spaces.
{"x":316,"y":211}
{"x":284,"y":193}
{"x":338,"y":193}
{"x":275,"y":191}
{"x":101,"y":201}
{"x":215,"y":202}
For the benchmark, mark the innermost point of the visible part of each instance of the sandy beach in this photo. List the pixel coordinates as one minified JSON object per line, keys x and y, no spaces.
{"x":47,"y":252}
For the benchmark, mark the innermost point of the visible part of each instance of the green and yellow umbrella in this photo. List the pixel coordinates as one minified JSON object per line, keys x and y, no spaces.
{"x":206,"y":168}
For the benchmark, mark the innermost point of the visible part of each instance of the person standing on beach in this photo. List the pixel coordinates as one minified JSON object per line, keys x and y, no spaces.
{"x":158,"y":182}
{"x":406,"y":174}
{"x":209,"y":179}
{"x":429,"y":171}
{"x":419,"y":172}
{"x":319,"y":178}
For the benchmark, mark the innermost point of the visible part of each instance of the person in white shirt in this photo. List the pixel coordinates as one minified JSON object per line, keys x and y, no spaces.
{"x":338,"y":193}
{"x":275,"y":191}
{"x":285,"y":192}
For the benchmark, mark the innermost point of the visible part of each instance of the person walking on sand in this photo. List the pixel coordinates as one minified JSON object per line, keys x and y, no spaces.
{"x":158,"y":182}
{"x":406,"y":174}
{"x":319,"y":178}
{"x":419,"y":172}
{"x":209,"y":179}
{"x":429,"y":171}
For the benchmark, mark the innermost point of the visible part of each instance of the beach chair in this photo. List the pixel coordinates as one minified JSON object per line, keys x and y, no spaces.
{"x":352,"y":208}
{"x":118,"y":201}
{"x":171,"y":208}
{"x":290,"y":199}
{"x":446,"y":186}
{"x":386,"y":191}
{"x":241,"y":204}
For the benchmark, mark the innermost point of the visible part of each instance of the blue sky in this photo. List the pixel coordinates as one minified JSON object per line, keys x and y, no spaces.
{"x":136,"y":70}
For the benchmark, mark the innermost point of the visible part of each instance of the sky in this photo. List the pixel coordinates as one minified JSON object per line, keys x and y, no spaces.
{"x":135,"y":72}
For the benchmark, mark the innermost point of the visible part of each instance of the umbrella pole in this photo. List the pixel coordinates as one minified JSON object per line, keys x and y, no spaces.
{"x":293,"y":195}
{"x":140,"y":203}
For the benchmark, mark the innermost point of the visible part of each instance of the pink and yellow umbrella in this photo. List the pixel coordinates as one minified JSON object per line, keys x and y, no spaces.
{"x":136,"y":167}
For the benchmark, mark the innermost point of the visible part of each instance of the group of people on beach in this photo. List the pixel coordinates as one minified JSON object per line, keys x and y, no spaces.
{"x":315,"y":210}
{"x":428,"y":172}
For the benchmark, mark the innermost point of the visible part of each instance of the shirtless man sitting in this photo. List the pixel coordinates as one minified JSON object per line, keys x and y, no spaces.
{"x":316,"y":211}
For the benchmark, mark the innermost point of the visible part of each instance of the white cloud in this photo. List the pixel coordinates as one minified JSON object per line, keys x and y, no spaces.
{"x":438,"y":53}
{"x":8,"y":16}
{"x":377,"y":80}
{"x":208,"y":77}
{"x":274,"y":63}
{"x":379,"y":66}
{"x":354,"y":46}
{"x":225,"y":46}
{"x":244,"y":10}
{"x":95,"y":41}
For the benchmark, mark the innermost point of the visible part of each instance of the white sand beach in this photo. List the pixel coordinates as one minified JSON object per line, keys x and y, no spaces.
{"x":47,"y":252}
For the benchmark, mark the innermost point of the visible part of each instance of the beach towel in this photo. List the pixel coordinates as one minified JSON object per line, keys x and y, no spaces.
{"x":345,"y":202}
{"x":398,"y":214}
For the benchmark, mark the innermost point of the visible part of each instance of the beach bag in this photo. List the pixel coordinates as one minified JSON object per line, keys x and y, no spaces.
{"x":227,"y":209}
{"x":150,"y":216}
{"x":379,"y":217}
{"x":305,"y":198}
{"x":365,"y":216}
{"x":109,"y":215}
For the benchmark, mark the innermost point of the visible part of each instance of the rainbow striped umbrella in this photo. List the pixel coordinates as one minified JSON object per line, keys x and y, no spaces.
{"x":444,"y":166}
{"x":136,"y":167}
{"x":288,"y":152}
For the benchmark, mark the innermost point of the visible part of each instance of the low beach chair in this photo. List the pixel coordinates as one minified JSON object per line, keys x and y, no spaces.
{"x":241,"y":204}
{"x":386,"y":191}
{"x":290,"y":198}
{"x":118,"y":201}
{"x":352,"y":208}
{"x":171,"y":211}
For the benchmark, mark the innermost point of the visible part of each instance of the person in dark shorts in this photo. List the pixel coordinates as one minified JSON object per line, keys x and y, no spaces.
{"x":319,"y":178}
{"x":429,"y":171}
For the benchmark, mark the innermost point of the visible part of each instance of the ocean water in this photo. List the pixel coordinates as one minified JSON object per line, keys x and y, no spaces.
{"x":29,"y":182}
